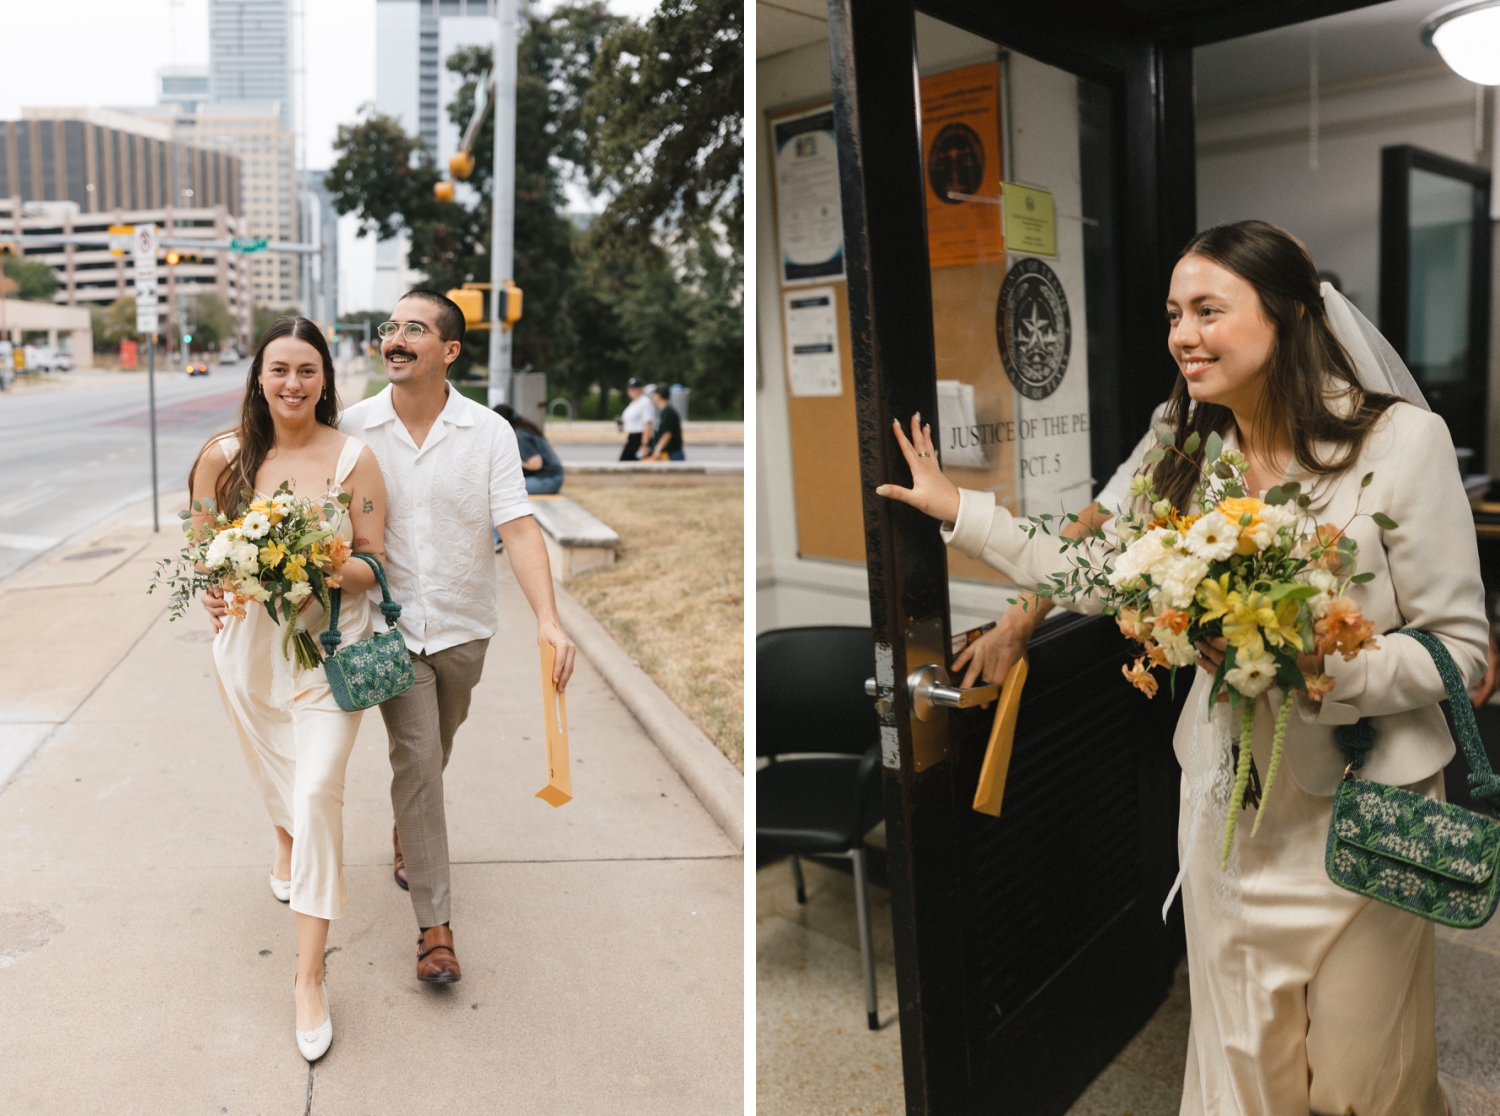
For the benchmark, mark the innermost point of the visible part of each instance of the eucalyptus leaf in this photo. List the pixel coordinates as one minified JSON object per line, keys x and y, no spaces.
{"x":1364,"y":481}
{"x":1213,"y":447}
{"x":1277,"y":495}
{"x":344,"y":497}
{"x":1383,"y":521}
{"x":1360,"y":579}
{"x":1190,"y":447}
{"x":1233,"y":491}
{"x":1164,"y":434}
{"x":1304,"y":501}
{"x":1223,"y":470}
{"x":1153,"y":455}
{"x":1295,"y":590}
{"x":198,"y":505}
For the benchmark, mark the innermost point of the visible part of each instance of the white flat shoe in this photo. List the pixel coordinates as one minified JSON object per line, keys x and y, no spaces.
{"x":314,"y":1044}
{"x":282,"y":889}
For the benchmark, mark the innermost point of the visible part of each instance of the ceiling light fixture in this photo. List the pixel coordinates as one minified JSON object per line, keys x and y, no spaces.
{"x":1467,"y":35}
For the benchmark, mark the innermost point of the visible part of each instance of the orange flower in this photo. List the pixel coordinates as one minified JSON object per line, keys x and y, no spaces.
{"x":338,"y":550}
{"x":1175,"y":619}
{"x":1236,"y":507}
{"x":1318,"y":687}
{"x":1158,"y":657}
{"x":1139,"y":675}
{"x":1131,"y":626}
{"x":1325,"y":535}
{"x":1344,"y":629}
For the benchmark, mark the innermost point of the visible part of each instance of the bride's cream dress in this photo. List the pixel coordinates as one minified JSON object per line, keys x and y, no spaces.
{"x":295,"y":738}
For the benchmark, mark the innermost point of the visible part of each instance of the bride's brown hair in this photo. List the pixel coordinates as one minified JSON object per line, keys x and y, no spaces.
{"x":1307,"y":364}
{"x":255,"y":429}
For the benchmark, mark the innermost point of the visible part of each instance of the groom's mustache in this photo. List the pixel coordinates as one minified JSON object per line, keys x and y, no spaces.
{"x":400,"y":352}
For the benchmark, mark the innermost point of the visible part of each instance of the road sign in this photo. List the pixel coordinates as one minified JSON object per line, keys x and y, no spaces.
{"x":145,"y":312}
{"x":248,"y":244}
{"x":143,"y":242}
{"x":121,"y":239}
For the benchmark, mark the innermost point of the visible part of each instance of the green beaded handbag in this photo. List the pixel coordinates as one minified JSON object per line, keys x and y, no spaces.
{"x":1433,"y":859}
{"x":374,"y":669}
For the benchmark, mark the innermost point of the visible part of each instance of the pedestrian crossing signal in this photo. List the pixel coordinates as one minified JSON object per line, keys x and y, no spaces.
{"x":510,"y":304}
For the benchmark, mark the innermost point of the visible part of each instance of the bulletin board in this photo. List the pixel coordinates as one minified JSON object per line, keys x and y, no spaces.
{"x":820,"y":404}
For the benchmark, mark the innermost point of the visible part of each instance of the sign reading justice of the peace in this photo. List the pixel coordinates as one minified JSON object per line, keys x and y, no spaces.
{"x":810,"y":217}
{"x":1033,"y":328}
{"x":812,"y":342}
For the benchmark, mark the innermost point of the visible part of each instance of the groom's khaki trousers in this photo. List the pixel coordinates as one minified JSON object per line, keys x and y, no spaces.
{"x":421,"y":724}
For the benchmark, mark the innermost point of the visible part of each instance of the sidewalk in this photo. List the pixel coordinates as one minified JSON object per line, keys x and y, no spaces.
{"x":145,"y":967}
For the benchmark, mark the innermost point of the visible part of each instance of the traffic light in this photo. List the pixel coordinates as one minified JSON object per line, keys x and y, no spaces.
{"x":471,"y":302}
{"x":443,"y":190}
{"x":172,"y":258}
{"x":187,"y":338}
{"x":510,"y":305}
{"x":175,"y":257}
{"x":9,"y":248}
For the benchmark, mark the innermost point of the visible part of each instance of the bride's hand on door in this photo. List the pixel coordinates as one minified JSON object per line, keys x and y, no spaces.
{"x":930,"y":492}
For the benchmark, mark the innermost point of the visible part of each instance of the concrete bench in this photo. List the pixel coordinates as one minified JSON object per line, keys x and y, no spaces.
{"x":576,"y":541}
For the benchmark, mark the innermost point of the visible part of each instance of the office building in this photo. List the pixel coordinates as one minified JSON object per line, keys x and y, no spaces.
{"x":320,"y":226}
{"x":250,"y":53}
{"x":413,"y":41}
{"x":183,"y":88}
{"x":75,"y":172}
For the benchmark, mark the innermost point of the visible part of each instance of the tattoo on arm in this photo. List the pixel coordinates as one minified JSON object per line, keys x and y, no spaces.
{"x":368,"y":506}
{"x":361,"y":542}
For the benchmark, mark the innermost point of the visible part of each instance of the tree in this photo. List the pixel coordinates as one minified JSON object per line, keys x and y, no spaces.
{"x":113,"y":323}
{"x":213,"y":324}
{"x":265,"y":315}
{"x":34,"y":280}
{"x":666,"y":116}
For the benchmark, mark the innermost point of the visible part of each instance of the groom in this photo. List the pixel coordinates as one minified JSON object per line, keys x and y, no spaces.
{"x":452,"y":470}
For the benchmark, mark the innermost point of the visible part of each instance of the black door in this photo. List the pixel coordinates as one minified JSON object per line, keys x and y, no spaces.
{"x":1030,"y":947}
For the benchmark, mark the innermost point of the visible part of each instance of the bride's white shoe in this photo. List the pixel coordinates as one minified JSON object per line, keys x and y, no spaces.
{"x":314,"y":1044}
{"x":282,"y":889}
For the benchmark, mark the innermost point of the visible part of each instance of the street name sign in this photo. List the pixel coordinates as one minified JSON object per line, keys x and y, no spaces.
{"x":121,"y":239}
{"x":248,"y":244}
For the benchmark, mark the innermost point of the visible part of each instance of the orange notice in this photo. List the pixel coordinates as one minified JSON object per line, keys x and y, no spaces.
{"x":961,"y":164}
{"x":559,"y":788}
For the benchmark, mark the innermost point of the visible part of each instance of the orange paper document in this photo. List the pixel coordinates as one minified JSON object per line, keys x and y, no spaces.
{"x":991,"y":789}
{"x":559,"y":788}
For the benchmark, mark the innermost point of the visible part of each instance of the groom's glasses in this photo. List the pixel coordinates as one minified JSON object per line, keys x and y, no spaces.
{"x":408,"y":330}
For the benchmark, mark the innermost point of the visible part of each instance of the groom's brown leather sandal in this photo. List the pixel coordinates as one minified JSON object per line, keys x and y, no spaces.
{"x":436,"y":961}
{"x":400,"y":870}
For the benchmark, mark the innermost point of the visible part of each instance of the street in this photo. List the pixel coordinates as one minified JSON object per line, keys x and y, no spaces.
{"x":72,"y":457}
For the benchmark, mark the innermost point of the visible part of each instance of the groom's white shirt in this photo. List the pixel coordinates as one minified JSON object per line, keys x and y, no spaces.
{"x":441,"y":501}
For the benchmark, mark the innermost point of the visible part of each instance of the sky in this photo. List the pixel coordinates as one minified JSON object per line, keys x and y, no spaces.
{"x":107,"y":52}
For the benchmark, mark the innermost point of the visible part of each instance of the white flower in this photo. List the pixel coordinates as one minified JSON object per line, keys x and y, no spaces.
{"x":1213,"y":538}
{"x":1161,"y":508}
{"x":1138,"y":559}
{"x":1140,"y":484}
{"x":282,"y":500}
{"x":218,"y":550}
{"x":1326,"y":585}
{"x":250,"y":589}
{"x":246,"y":558}
{"x":1273,"y":517}
{"x":299,"y":592}
{"x":1252,"y":675}
{"x":256,"y":525}
{"x":1177,"y":647}
{"x":1177,"y":578}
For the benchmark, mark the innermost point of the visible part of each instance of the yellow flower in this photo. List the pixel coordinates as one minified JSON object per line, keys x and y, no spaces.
{"x":1236,"y":507}
{"x":1282,"y":627}
{"x":1243,"y":622}
{"x":317,"y":556}
{"x":1215,"y":597}
{"x":272,"y":554}
{"x":296,"y":567}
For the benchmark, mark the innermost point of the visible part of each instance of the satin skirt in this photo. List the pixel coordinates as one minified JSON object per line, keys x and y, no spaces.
{"x":1305,"y":997}
{"x":297,"y":755}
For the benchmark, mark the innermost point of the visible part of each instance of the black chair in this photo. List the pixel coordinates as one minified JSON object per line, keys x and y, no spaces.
{"x":821,"y":791}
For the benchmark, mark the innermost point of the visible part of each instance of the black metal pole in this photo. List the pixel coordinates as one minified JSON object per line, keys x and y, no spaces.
{"x":151,"y":391}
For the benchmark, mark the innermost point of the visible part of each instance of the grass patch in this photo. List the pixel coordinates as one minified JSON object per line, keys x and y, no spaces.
{"x":674,"y":600}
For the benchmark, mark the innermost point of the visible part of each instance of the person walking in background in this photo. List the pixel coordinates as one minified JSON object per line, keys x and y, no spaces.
{"x":639,"y":414}
{"x":453,"y":470}
{"x":668,"y":446}
{"x":540,"y":465}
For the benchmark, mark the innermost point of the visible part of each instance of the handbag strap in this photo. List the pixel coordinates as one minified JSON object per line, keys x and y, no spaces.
{"x":1356,"y":740}
{"x":388,"y":608}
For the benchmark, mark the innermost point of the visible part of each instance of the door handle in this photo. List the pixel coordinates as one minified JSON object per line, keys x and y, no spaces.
{"x":931,"y":690}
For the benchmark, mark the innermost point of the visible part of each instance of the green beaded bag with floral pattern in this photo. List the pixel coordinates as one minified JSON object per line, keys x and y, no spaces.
{"x":374,"y":669}
{"x":1433,"y":859}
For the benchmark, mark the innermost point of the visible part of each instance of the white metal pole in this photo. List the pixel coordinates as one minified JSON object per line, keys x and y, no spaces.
{"x":503,"y":201}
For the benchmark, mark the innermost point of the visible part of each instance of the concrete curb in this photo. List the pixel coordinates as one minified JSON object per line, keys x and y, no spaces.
{"x":702,"y":766}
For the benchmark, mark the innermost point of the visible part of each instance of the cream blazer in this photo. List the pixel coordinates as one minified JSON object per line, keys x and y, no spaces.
{"x":1426,"y":576}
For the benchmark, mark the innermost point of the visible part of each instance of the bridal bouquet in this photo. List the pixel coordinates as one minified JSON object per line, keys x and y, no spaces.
{"x":276,"y":552}
{"x":1261,"y":574}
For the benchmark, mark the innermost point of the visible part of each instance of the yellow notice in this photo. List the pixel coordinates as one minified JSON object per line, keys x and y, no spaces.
{"x":559,"y":788}
{"x":1030,"y":220}
{"x":991,"y":790}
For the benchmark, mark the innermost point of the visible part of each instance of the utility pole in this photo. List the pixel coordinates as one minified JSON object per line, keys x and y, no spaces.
{"x":503,"y":200}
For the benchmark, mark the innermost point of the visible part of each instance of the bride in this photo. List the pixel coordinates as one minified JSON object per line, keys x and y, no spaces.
{"x":295,"y":738}
{"x":1305,"y":997}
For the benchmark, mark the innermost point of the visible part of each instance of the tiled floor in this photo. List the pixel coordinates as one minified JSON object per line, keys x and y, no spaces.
{"x":815,"y":1056}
